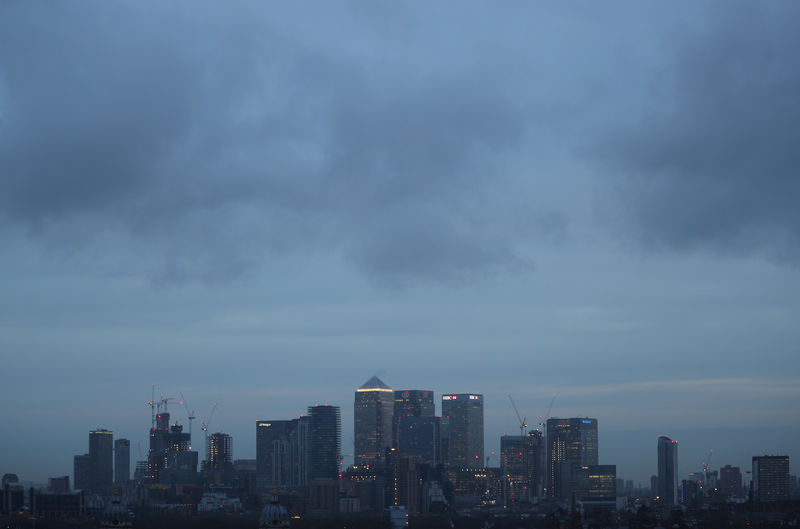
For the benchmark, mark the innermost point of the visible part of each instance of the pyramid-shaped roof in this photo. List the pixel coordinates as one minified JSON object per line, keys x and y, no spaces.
{"x":374,"y":383}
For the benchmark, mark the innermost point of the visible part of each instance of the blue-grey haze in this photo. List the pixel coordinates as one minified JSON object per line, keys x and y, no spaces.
{"x":263,"y":205}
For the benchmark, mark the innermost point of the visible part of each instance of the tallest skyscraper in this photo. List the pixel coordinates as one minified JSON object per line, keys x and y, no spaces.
{"x":372,"y":422}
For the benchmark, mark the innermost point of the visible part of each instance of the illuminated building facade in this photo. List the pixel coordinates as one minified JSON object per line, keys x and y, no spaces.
{"x":571,"y":444}
{"x":122,"y":460}
{"x":101,"y":461}
{"x":522,"y":466}
{"x":770,"y":478}
{"x":667,"y":470}
{"x":596,"y":489}
{"x":324,"y":441}
{"x":169,"y":450}
{"x":372,"y":422}
{"x":219,"y":465}
{"x":464,"y":432}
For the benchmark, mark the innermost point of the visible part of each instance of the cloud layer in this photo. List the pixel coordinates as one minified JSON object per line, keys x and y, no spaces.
{"x":212,"y":140}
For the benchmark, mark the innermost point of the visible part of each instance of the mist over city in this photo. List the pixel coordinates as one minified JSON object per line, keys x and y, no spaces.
{"x":331,"y":217}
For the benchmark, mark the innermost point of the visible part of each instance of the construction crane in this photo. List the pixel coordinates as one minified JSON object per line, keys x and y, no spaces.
{"x":164,"y":401}
{"x":152,"y":404}
{"x":706,"y":467}
{"x":204,"y":424}
{"x":543,"y":418}
{"x":522,"y":423}
{"x":190,"y":414}
{"x":706,"y":464}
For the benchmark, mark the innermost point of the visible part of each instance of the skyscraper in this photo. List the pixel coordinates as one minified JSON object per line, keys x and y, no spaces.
{"x":122,"y":460}
{"x":372,"y":418}
{"x":419,"y":438}
{"x":667,"y":470}
{"x":101,"y":461}
{"x":324,"y":434}
{"x":464,"y":414}
{"x":410,"y":403}
{"x":521,"y":466}
{"x":571,"y":444}
{"x":282,"y":452}
{"x":770,"y":478}
{"x":272,"y":452}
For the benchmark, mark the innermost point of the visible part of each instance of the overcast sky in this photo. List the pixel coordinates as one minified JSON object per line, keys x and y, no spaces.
{"x":263,"y":205}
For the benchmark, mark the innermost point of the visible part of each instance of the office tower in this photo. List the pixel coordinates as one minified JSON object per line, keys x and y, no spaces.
{"x":597,"y":482}
{"x":122,"y":460}
{"x":419,"y":438}
{"x":730,"y":481}
{"x":219,"y":464}
{"x":571,"y":443}
{"x":273,"y":461}
{"x":81,"y":472}
{"x":101,"y":461}
{"x":667,"y":470}
{"x":770,"y":478}
{"x":324,"y":441}
{"x":410,"y":403}
{"x":521,"y":466}
{"x":464,"y":412}
{"x":372,"y":417}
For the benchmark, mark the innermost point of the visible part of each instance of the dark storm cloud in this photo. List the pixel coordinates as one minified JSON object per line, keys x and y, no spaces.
{"x":214,"y":139}
{"x":714,"y":160}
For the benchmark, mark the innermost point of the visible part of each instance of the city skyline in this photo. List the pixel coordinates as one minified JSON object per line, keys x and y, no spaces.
{"x":640,"y":475}
{"x":266,"y":205}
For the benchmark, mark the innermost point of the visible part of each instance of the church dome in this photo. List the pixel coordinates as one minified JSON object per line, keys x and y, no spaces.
{"x":274,"y":515}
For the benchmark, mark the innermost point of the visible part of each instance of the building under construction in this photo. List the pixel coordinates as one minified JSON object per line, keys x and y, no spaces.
{"x":170,"y":459}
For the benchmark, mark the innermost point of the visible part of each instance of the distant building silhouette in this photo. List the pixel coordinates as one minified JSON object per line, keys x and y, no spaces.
{"x":59,"y":485}
{"x":324,"y":434}
{"x":770,"y":478}
{"x":372,"y":422}
{"x":419,"y":437}
{"x":730,"y":481}
{"x":667,"y":470}
{"x":273,"y":453}
{"x":122,"y":460}
{"x":101,"y":461}
{"x":464,"y":432}
{"x":81,"y":472}
{"x":571,"y":444}
{"x":407,"y":404}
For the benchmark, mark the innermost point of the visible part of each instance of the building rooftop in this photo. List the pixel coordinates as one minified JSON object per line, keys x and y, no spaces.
{"x":373,"y":384}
